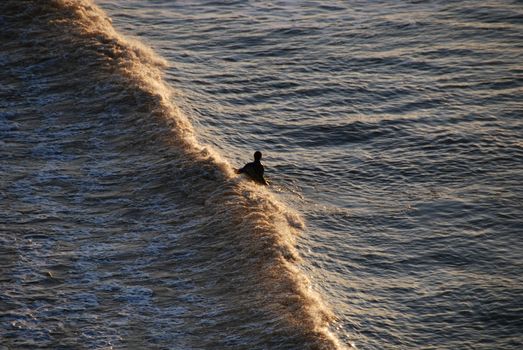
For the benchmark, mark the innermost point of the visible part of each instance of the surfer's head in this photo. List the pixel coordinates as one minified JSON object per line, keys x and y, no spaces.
{"x":257,"y":155}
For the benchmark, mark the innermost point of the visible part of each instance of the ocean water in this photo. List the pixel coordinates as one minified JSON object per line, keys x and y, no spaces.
{"x":392,"y":137}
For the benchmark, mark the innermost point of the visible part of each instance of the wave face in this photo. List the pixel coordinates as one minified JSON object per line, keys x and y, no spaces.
{"x":119,"y":229}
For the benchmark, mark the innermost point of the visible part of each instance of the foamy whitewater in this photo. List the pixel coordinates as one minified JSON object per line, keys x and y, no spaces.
{"x":391,"y":135}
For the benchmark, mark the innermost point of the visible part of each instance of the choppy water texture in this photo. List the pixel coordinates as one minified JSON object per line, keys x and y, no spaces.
{"x":392,"y":129}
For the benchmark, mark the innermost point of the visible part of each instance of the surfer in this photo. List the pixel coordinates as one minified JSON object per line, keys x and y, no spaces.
{"x":254,"y":169}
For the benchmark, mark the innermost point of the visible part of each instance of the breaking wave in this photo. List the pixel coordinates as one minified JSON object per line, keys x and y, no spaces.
{"x":93,"y":111}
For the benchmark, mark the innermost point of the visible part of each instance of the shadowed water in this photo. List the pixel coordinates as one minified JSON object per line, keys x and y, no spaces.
{"x":393,"y":128}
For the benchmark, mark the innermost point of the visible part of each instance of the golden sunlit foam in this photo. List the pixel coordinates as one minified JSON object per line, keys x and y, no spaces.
{"x":256,"y":231}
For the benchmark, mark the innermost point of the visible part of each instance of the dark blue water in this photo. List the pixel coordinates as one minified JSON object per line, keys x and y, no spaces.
{"x":393,"y":128}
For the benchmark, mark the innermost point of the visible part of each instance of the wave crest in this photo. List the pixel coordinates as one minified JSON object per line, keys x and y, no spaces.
{"x":241,"y":239}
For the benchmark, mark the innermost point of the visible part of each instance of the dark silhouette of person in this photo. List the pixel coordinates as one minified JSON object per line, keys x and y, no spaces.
{"x":254,"y":169}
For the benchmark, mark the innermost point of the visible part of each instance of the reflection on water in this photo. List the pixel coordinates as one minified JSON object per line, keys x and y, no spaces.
{"x":392,"y":129}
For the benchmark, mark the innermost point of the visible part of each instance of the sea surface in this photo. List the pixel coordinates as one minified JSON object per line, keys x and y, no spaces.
{"x":392,"y":136}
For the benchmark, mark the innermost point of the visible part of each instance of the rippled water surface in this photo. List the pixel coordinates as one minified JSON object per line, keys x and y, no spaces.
{"x":393,"y":130}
